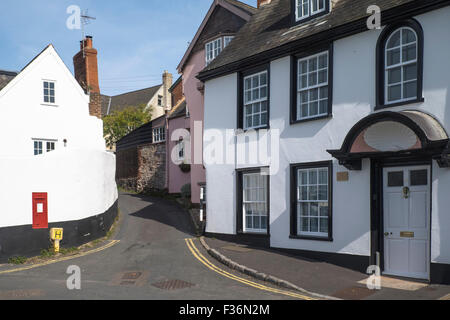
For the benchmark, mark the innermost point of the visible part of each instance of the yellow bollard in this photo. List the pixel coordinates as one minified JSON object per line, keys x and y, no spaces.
{"x":56,"y":246}
{"x":56,"y":234}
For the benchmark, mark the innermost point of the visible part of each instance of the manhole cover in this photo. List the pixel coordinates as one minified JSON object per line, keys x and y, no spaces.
{"x":131,"y":278}
{"x":173,"y":285}
{"x":354,"y":293}
{"x":132,"y":275}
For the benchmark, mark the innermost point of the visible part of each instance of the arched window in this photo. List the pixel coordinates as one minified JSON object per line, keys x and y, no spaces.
{"x":400,"y":64}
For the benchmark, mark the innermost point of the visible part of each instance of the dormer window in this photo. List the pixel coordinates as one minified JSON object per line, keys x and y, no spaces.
{"x":305,"y":9}
{"x":215,"y":47}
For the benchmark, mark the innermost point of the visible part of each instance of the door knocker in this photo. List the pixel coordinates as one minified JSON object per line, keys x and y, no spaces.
{"x":406,"y":192}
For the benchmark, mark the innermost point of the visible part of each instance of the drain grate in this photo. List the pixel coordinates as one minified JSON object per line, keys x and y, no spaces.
{"x":173,"y":285}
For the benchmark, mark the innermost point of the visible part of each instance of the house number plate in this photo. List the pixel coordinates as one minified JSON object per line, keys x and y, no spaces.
{"x":407,"y":234}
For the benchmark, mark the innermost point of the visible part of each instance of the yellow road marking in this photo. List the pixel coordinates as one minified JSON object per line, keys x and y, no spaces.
{"x":216,"y":269}
{"x":109,"y":245}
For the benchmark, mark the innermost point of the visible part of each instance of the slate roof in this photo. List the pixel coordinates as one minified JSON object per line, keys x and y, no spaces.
{"x":247,"y":8}
{"x":129,"y":99}
{"x":6,"y":77}
{"x":271,"y":27}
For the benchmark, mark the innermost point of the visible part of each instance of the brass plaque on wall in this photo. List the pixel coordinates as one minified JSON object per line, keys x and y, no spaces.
{"x":342,"y":176}
{"x":407,"y":234}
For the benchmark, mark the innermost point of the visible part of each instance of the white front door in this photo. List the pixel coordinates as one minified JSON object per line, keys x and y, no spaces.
{"x":406,"y":198}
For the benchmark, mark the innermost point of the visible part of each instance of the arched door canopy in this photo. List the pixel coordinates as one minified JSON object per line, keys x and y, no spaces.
{"x":394,"y":135}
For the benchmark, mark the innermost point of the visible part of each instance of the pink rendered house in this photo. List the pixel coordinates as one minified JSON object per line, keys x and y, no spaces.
{"x":222,"y":22}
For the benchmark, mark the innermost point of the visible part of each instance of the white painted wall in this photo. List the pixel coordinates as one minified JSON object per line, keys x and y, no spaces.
{"x":80,"y":183}
{"x":353,"y":99}
{"x":24,"y":116}
{"x":79,"y":177}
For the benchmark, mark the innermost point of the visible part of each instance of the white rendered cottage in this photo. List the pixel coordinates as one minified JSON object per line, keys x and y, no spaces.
{"x":362,"y":173}
{"x":54,"y":168}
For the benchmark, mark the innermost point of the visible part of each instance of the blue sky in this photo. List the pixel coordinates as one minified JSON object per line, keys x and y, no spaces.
{"x":137,"y":39}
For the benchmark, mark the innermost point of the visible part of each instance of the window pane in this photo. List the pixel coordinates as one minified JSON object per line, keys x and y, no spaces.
{"x":314,"y":225}
{"x":314,"y":109}
{"x":263,"y":79}
{"x":408,"y":36}
{"x":323,"y":61}
{"x":395,"y":75}
{"x":313,"y":177}
{"x":303,"y":195}
{"x":419,"y":177}
{"x":394,"y":41}
{"x":393,"y":57}
{"x":313,"y":193}
{"x":313,"y":79}
{"x":248,"y":83}
{"x":410,"y":90}
{"x":323,"y":210}
{"x":324,"y":92}
{"x":395,"y":179}
{"x":312,"y":64}
{"x":323,"y":107}
{"x":304,"y":225}
{"x":324,"y":225}
{"x":410,"y":72}
{"x":303,"y":177}
{"x":323,"y":193}
{"x":314,"y":210}
{"x":409,"y":53}
{"x":303,"y":210}
{"x":303,"y":67}
{"x":395,"y":93}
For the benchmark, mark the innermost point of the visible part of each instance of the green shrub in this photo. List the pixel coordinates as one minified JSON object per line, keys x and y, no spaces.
{"x":17,"y":260}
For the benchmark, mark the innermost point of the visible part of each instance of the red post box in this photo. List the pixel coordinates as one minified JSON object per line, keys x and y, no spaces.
{"x":40,"y":211}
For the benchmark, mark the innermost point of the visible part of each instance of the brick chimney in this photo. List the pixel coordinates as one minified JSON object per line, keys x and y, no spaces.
{"x":167,"y":84}
{"x":86,"y":73}
{"x":263,"y":3}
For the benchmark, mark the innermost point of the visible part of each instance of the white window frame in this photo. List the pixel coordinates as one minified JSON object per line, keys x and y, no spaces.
{"x":227,"y":40}
{"x":400,"y":65}
{"x":213,"y":49}
{"x":159,"y":135}
{"x":49,"y":96}
{"x":309,"y":4}
{"x":253,"y":101}
{"x":46,"y":146}
{"x":258,"y":202}
{"x":309,"y":88}
{"x":301,"y":201}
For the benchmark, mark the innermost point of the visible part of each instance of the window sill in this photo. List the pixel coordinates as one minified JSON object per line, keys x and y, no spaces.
{"x":254,"y":129}
{"x":49,"y":105}
{"x":398,"y":104}
{"x":294,"y":237}
{"x":327,"y":116}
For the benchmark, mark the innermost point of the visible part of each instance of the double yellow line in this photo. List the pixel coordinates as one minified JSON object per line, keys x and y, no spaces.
{"x":209,"y":265}
{"x":109,"y":245}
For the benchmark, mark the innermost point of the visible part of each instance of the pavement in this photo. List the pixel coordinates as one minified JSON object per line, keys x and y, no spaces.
{"x":153,"y":256}
{"x":318,"y":277}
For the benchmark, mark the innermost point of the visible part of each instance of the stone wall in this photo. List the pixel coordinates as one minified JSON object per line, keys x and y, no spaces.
{"x":142,"y":168}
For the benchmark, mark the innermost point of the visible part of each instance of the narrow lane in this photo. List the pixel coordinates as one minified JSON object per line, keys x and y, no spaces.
{"x":151,"y":261}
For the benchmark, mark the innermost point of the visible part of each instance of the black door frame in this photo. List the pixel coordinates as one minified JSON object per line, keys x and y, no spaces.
{"x":377,"y":202}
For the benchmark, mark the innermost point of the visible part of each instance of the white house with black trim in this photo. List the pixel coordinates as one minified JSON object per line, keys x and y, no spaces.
{"x":361,"y":173}
{"x":54,"y":168}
